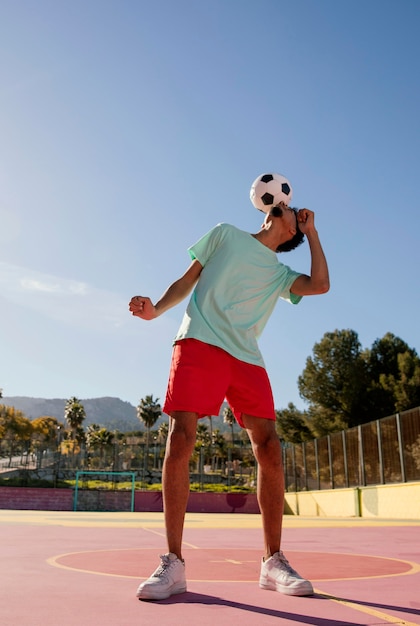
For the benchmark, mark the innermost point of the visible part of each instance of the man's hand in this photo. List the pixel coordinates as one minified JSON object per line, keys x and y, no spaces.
{"x":306,"y":221}
{"x":141,"y":306}
{"x":318,"y":281}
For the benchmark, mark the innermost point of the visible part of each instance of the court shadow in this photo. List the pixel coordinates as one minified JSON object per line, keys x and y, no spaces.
{"x":376,"y":605}
{"x":203,"y":599}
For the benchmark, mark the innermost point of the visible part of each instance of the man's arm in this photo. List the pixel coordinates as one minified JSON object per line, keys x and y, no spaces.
{"x":318,"y":282}
{"x":142,"y":306}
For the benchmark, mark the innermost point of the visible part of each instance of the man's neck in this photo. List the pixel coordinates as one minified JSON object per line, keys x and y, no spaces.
{"x":268,"y":238}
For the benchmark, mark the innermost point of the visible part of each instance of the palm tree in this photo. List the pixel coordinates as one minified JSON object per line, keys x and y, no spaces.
{"x":163,"y":432}
{"x":219,"y":447}
{"x":229,"y":418}
{"x":162,"y":435}
{"x":203,"y":435}
{"x":74,"y":414}
{"x":203,"y":440}
{"x":99,"y":438}
{"x":148,"y":412}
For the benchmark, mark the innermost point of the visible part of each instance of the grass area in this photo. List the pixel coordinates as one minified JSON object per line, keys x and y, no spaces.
{"x":126,"y":485}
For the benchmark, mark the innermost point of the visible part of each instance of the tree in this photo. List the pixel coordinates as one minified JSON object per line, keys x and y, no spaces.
{"x":203,"y":434}
{"x":218,"y":447}
{"x":163,"y":432}
{"x":229,"y":418}
{"x":45,"y":429}
{"x":99,"y":439}
{"x":203,"y":441}
{"x":45,"y":434}
{"x":15,"y":430}
{"x":346,"y":386}
{"x":74,"y":414}
{"x":292,"y":425}
{"x":148,"y":412}
{"x":334,"y":380}
{"x":394,"y":374}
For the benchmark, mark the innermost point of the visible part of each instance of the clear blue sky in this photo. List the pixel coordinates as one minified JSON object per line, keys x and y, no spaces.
{"x":130,"y":128}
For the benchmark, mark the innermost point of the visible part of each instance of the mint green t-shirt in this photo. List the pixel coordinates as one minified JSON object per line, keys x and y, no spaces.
{"x":237,"y":291}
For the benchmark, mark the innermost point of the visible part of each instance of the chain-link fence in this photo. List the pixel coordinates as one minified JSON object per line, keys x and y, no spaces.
{"x":233,"y":465}
{"x":379,"y":452}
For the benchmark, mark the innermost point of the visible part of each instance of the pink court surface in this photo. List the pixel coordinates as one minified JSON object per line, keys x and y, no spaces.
{"x":63,"y":568}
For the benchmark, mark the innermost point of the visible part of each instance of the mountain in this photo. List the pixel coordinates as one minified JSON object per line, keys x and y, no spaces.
{"x":110,"y":413}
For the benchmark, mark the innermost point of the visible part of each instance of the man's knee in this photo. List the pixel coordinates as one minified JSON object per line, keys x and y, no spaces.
{"x":265,"y":441}
{"x":182,"y":435}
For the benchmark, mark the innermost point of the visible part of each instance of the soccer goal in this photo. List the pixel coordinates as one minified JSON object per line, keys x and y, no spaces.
{"x":104,"y":491}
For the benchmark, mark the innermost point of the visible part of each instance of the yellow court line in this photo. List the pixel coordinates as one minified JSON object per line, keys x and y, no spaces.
{"x":391,"y":619}
{"x":163,"y":534}
{"x":414,"y":567}
{"x":192,"y":520}
{"x":53,"y":561}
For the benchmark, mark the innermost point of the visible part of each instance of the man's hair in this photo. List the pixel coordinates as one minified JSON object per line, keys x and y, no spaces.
{"x":296,"y":240}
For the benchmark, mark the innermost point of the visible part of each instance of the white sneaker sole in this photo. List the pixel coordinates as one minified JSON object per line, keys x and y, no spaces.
{"x":305,"y":589}
{"x":148,"y":593}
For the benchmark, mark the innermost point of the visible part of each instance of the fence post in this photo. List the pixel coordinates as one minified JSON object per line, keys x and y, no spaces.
{"x":380,"y":455}
{"x":317,"y":464}
{"x":330,"y":461}
{"x":284,"y":454}
{"x":346,"y":469}
{"x":305,"y":468}
{"x":400,"y":448}
{"x":362,"y":478}
{"x":294,"y":467}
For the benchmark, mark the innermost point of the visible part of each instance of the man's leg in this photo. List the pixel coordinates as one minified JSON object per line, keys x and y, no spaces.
{"x":276,"y":571}
{"x":175,"y":476}
{"x":270,"y":489}
{"x":169,"y":578}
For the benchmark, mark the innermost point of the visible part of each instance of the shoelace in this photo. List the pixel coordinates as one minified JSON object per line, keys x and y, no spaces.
{"x":163,"y":567}
{"x":286,"y":565}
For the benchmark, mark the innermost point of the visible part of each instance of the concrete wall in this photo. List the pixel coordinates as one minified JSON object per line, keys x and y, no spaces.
{"x":50,"y":499}
{"x":201,"y":502}
{"x":36,"y":499}
{"x":400,"y":501}
{"x":325,"y":503}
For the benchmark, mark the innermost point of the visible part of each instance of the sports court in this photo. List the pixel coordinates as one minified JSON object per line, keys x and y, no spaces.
{"x":66,"y":568}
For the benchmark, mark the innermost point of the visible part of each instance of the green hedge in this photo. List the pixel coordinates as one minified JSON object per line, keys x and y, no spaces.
{"x":98,"y":484}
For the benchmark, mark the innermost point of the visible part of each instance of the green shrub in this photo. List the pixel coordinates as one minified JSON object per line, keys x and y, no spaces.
{"x":23,"y":481}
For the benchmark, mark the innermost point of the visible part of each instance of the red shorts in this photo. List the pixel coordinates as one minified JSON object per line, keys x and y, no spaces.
{"x":202,"y":376}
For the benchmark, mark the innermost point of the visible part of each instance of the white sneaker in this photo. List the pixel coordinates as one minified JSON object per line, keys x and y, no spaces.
{"x":278,"y":575}
{"x":167,"y":580}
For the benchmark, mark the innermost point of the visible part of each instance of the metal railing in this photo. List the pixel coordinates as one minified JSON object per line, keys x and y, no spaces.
{"x":380,"y":452}
{"x":383,"y":451}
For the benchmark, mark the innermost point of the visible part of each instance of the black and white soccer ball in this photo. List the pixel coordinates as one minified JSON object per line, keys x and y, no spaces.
{"x":268,"y":190}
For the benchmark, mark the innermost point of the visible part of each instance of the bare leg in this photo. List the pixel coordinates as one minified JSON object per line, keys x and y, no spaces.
{"x":175,"y":476}
{"x":270,"y":490}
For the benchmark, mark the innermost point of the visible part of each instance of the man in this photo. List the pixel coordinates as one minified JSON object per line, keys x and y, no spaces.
{"x":238,"y":280}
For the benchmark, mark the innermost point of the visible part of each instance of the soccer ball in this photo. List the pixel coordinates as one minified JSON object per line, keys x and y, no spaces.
{"x":268,"y":190}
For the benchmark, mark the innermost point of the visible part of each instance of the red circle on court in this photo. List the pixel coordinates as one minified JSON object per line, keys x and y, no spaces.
{"x":233,"y":565}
